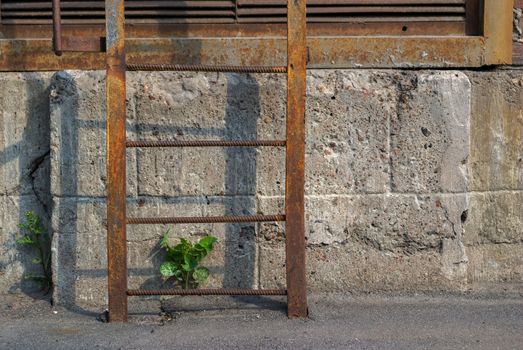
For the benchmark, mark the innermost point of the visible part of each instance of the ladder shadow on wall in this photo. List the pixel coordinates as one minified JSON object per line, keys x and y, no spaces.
{"x":237,"y":197}
{"x":81,"y":262}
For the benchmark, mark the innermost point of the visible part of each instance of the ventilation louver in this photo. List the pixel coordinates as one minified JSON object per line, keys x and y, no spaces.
{"x":239,"y":11}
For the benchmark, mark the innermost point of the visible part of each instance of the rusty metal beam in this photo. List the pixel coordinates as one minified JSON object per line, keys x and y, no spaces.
{"x":295,"y":160}
{"x":333,"y":45}
{"x":325,"y":52}
{"x":116,"y":173}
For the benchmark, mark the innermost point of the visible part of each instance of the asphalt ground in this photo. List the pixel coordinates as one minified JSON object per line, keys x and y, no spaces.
{"x":337,"y":321}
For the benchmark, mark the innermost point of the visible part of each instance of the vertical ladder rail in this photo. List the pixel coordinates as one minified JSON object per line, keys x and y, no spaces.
{"x":116,"y":172}
{"x":295,"y":159}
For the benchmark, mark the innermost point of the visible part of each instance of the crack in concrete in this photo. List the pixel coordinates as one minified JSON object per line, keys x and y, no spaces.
{"x":33,"y":168}
{"x":447,"y":217}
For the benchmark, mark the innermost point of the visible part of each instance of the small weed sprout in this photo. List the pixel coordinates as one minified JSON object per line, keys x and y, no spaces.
{"x":35,"y":236}
{"x":183,"y":260}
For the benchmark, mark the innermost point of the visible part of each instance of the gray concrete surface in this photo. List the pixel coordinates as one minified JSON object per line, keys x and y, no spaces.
{"x":414,"y":178}
{"x":338,"y":321}
{"x":403,"y":170}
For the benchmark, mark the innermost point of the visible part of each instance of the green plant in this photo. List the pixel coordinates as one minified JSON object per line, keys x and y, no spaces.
{"x":183,"y":260}
{"x":34,"y":235}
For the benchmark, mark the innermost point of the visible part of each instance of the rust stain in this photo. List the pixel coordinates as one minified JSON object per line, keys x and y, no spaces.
{"x":324,"y":52}
{"x":497,"y":30}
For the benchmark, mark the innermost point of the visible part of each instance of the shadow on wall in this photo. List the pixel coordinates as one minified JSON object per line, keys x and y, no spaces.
{"x":241,"y":117}
{"x":26,"y":165}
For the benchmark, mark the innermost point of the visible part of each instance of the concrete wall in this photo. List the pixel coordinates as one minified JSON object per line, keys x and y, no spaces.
{"x":24,"y":168}
{"x":414,"y":179}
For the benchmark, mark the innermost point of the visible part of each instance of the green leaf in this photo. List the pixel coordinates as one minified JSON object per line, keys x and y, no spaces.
{"x":25,"y":240}
{"x":198,"y":252}
{"x":185,"y":245}
{"x":189,"y":263}
{"x":169,"y":269}
{"x":200,"y":274}
{"x":34,"y":223}
{"x":175,"y":256}
{"x":37,"y":261}
{"x":207,"y":242}
{"x":183,"y":260}
{"x":164,"y":243}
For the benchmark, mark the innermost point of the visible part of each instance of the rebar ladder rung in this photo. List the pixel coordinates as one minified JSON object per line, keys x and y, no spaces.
{"x":204,"y":219}
{"x":221,"y":291}
{"x":207,"y":143}
{"x":206,"y":68}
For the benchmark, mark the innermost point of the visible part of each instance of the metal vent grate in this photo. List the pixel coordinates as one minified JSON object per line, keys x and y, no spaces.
{"x":236,"y":11}
{"x":356,"y":10}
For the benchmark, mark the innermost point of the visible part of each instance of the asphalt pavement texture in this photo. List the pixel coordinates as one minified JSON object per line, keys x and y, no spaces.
{"x":337,"y":321}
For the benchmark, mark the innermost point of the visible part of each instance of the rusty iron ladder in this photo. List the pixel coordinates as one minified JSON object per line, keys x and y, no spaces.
{"x":117,"y":143}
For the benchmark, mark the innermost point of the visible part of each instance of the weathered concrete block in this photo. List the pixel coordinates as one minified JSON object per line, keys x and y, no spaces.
{"x":347,"y":126}
{"x":496,"y":157}
{"x":395,"y":223}
{"x":495,"y":267}
{"x":355,"y":267}
{"x":196,"y":171}
{"x":430,"y":133}
{"x":78,"y":135}
{"x":346,"y":136}
{"x":327,"y":219}
{"x":454,"y":261}
{"x":494,"y":217}
{"x":24,"y":131}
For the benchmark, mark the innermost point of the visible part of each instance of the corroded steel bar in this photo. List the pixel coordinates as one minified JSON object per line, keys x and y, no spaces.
{"x":207,"y":143}
{"x":295,"y":159}
{"x":205,"y":219}
{"x":138,"y":292}
{"x":205,"y":68}
{"x":116,"y":175}
{"x":57,"y":28}
{"x":325,"y":52}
